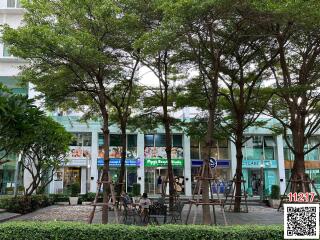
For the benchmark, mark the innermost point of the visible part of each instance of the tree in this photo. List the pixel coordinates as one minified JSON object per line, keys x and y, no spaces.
{"x":294,"y":28}
{"x":76,"y":51}
{"x":196,"y":26}
{"x":44,"y":153}
{"x":17,"y":118}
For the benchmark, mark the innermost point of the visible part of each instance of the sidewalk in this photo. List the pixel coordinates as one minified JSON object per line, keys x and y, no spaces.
{"x":257,"y":215}
{"x":5,"y":216}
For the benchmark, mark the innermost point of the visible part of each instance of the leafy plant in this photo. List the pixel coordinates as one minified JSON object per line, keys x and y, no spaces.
{"x":275,"y":192}
{"x":136,"y":189}
{"x":75,"y":189}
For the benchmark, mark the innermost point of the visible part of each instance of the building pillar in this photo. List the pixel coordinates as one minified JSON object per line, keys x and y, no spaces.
{"x":140,"y":155}
{"x":187,"y":165}
{"x":233,"y":156}
{"x":93,"y":165}
{"x":281,"y":167}
{"x":83,"y":180}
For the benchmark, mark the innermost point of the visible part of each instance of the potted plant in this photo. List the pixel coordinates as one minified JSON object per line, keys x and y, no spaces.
{"x":21,"y":190}
{"x":75,"y":190}
{"x":9,"y":190}
{"x":135,"y":192}
{"x":274,"y":200}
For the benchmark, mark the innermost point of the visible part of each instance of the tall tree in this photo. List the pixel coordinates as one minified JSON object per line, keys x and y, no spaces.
{"x":76,"y":50}
{"x":294,"y":28}
{"x":196,"y":26}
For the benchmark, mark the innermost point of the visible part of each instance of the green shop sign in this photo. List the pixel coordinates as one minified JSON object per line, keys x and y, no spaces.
{"x":160,"y":162}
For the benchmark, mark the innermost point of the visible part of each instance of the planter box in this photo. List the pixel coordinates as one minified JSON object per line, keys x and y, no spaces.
{"x":73,"y":200}
{"x":274,"y":203}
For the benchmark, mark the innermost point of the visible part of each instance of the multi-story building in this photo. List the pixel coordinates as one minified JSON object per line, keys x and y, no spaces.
{"x":264,"y":154}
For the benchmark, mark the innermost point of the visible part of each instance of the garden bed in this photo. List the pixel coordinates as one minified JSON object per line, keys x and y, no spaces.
{"x":67,"y":230}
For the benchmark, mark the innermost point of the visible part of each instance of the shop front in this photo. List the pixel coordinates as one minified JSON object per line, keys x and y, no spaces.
{"x":222,"y":171}
{"x":156,"y":172}
{"x":130,"y":172}
{"x":254,"y":171}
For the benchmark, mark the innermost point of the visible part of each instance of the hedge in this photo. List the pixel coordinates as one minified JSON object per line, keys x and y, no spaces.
{"x":81,"y":231}
{"x":25,"y":204}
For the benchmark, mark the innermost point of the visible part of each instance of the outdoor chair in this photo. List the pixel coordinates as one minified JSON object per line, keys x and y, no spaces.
{"x":157,"y":210}
{"x":129,"y":213}
{"x":176,"y":212}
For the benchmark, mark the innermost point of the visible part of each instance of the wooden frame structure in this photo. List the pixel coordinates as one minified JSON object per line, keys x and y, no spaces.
{"x":298,"y":184}
{"x":112,"y":194}
{"x":197,"y":192}
{"x":233,"y":194}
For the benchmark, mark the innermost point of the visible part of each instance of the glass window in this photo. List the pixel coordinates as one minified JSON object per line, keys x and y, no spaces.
{"x":160,"y":140}
{"x":6,"y":52}
{"x":87,"y":139}
{"x":132,"y":140}
{"x":176,"y":140}
{"x":115,"y":140}
{"x":81,"y":139}
{"x":100,"y":139}
{"x":149,"y":140}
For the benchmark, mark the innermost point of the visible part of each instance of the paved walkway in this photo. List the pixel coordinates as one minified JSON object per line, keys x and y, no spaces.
{"x":79,"y":213}
{"x":5,"y":216}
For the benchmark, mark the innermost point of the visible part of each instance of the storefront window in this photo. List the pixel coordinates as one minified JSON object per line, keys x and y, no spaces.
{"x":257,"y":147}
{"x":149,"y":140}
{"x":160,"y":140}
{"x":176,"y":140}
{"x":115,"y":140}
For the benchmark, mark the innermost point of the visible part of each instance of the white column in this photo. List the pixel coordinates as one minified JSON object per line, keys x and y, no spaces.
{"x":93,"y":165}
{"x":83,"y":180}
{"x":140,"y":153}
{"x":187,"y":165}
{"x":233,"y":156}
{"x":281,"y":167}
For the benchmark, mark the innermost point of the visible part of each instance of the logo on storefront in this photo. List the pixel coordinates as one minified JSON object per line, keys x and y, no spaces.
{"x":212,"y":162}
{"x":159,"y":162}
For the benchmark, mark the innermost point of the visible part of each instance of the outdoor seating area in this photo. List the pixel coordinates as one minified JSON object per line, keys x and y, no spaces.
{"x":154,"y":212}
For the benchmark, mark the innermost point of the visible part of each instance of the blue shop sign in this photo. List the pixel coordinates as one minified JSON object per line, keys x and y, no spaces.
{"x":257,"y":164}
{"x":116,"y":162}
{"x":220,"y":163}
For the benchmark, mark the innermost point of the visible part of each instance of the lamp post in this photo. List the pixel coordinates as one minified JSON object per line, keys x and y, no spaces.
{"x":261,"y":177}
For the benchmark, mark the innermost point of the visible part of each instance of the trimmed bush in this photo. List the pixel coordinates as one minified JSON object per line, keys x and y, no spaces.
{"x":59,"y":197}
{"x":275,"y":192}
{"x":87,"y":197}
{"x":25,"y":204}
{"x":79,"y":231}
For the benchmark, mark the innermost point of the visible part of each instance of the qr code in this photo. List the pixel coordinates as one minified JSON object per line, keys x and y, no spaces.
{"x":301,"y":221}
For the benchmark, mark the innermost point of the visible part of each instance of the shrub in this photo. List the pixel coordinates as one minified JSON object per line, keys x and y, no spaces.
{"x":75,"y":189}
{"x":88,"y":197}
{"x":275,"y":192}
{"x":9,"y":190}
{"x":59,"y":197}
{"x":24,"y":204}
{"x":136,"y":189}
{"x":71,"y":231}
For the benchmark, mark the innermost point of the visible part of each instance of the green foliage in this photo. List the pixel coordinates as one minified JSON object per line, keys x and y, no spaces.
{"x":88,"y":197}
{"x":275,"y":192}
{"x":9,"y":190}
{"x":25,"y":204}
{"x":59,"y":197}
{"x":80,"y":231}
{"x":136,"y":189}
{"x":75,"y":189}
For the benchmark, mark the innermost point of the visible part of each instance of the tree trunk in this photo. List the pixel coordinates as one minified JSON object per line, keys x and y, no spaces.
{"x":206,"y":216}
{"x":105,"y":171}
{"x":239,"y":156}
{"x":298,"y":171}
{"x":123,"y":160}
{"x":170,"y":168}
